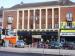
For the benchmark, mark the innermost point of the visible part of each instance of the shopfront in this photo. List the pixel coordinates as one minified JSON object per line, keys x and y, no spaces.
{"x":37,"y":36}
{"x":50,"y":36}
{"x":25,"y":36}
{"x":68,"y":35}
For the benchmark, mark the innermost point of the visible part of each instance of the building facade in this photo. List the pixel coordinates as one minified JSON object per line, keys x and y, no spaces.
{"x":67,"y":29}
{"x":1,"y":17}
{"x":46,"y":21}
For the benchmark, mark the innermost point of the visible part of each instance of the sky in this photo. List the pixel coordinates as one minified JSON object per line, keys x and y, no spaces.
{"x":10,"y":3}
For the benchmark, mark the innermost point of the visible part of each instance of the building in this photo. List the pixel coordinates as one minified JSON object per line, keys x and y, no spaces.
{"x":1,"y":13}
{"x":1,"y":17}
{"x":44,"y":21}
{"x":67,"y":29}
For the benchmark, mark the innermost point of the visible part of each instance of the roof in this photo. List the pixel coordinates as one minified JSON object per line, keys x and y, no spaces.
{"x":49,"y":3}
{"x":67,"y":3}
{"x":34,"y":5}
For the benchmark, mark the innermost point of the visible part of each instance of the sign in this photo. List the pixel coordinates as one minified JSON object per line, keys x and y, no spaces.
{"x":11,"y":33}
{"x":67,"y":34}
{"x":36,"y":36}
{"x":73,"y":31}
{"x":3,"y":36}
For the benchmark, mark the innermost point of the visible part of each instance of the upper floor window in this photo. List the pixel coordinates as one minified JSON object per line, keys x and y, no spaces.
{"x":69,"y":16}
{"x":69,"y":24}
{"x":49,"y":16}
{"x":36,"y":18}
{"x":10,"y":19}
{"x":56,"y":16}
{"x":9,"y":26}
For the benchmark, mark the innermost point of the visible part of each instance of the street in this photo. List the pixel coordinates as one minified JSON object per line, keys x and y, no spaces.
{"x":2,"y":53}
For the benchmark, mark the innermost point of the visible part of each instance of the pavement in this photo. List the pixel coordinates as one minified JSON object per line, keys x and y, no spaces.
{"x":39,"y":51}
{"x":23,"y":54}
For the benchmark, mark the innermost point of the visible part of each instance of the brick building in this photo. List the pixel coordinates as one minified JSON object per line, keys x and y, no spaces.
{"x":1,"y":13}
{"x":44,"y":21}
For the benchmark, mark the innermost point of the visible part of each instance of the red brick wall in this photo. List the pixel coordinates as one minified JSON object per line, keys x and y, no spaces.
{"x":65,"y":10}
{"x":10,"y":13}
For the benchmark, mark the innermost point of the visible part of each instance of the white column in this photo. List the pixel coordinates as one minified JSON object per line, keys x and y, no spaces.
{"x":40,"y":20}
{"x":17,"y":24}
{"x":59,"y":17}
{"x":28,"y":19}
{"x":34,"y":20}
{"x":23,"y":20}
{"x":17,"y":19}
{"x":46,"y":19}
{"x":52,"y":18}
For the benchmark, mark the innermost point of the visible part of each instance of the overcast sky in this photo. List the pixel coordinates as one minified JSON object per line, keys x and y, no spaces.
{"x":10,"y":3}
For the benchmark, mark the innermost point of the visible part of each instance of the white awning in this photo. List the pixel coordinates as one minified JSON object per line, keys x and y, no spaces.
{"x":36,"y":36}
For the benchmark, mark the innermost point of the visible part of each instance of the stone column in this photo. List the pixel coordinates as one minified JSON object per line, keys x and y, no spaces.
{"x":52,"y":18}
{"x":34,"y":20}
{"x":46,"y":18}
{"x":17,"y":19}
{"x":40,"y":20}
{"x":28,"y":19}
{"x":23,"y":20}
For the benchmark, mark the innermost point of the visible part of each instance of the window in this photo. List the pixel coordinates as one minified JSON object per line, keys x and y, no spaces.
{"x":56,"y":26}
{"x":69,"y":16}
{"x":69,"y":24}
{"x":56,"y":16}
{"x":36,"y":18}
{"x":10,"y":19}
{"x":31,"y":17}
{"x":49,"y":26}
{"x":49,"y":16}
{"x":9,"y":26}
{"x":43,"y":16}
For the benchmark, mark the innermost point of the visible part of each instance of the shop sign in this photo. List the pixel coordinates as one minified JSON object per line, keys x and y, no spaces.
{"x":36,"y":36}
{"x":11,"y":33}
{"x":67,"y":34}
{"x":72,"y":31}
